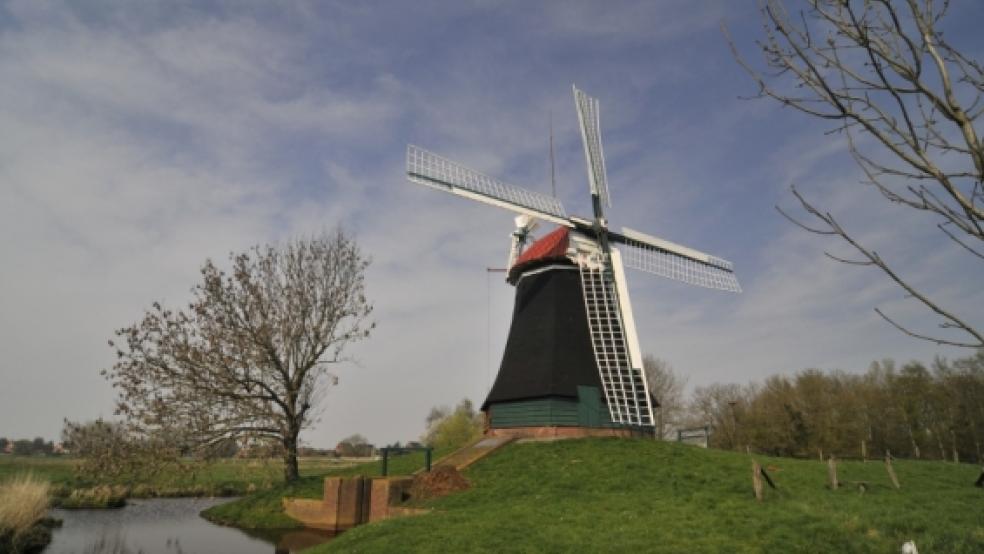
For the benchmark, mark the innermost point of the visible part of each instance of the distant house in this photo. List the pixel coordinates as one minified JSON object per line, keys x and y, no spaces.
{"x":59,"y":448}
{"x":9,"y":448}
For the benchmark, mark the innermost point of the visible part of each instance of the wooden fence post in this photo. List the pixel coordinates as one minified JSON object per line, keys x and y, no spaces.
{"x":832,"y":472}
{"x":757,"y":480}
{"x":864,"y":451}
{"x":890,"y":470}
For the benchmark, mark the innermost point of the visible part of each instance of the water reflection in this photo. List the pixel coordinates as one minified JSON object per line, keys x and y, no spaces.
{"x":291,"y":540}
{"x":106,"y":544}
{"x":168,"y":526}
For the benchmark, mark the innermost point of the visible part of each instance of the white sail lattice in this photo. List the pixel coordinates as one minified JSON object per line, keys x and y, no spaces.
{"x":589,"y":116}
{"x":427,"y":168}
{"x":713,"y":274}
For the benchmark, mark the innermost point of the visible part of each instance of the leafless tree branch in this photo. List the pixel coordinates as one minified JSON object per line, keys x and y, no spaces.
{"x":883,"y":70}
{"x":960,"y":242}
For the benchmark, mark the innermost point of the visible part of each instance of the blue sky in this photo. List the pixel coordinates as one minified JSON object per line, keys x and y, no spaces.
{"x":139,"y":140}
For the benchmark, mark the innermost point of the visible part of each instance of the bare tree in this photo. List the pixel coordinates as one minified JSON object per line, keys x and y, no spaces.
{"x":722,"y":407}
{"x":906,"y":100}
{"x":249,"y":357}
{"x":666,"y":387}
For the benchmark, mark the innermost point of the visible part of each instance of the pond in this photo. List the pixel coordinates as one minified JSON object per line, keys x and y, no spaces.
{"x":168,"y":526}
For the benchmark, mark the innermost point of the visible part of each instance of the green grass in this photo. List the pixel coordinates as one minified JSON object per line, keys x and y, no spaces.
{"x":610,"y":495}
{"x":229,"y":477}
{"x":264,"y":510}
{"x":56,"y":470}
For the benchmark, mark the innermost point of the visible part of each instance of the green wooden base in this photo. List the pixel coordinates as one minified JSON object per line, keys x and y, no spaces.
{"x":586,"y":410}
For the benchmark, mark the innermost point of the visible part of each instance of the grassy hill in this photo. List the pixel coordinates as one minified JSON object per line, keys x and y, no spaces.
{"x":608,"y":495}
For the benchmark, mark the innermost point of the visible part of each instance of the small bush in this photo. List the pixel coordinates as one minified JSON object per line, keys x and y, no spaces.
{"x":102,"y":496}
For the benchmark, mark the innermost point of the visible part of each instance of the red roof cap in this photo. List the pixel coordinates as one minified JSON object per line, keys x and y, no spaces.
{"x":552,"y":246}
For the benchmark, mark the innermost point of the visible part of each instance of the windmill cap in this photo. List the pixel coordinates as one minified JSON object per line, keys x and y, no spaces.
{"x":552,"y":247}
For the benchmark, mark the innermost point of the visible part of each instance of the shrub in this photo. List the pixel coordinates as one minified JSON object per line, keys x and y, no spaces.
{"x":23,"y":504}
{"x":103,"y":496}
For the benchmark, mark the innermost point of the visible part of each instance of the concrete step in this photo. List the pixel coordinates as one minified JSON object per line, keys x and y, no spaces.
{"x":467,"y":455}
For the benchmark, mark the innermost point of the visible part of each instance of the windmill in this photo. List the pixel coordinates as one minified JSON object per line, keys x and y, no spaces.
{"x":572,"y":332}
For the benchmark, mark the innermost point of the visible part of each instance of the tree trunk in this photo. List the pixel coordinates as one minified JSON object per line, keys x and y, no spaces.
{"x":912,"y":441}
{"x":291,"y":472}
{"x":977,"y":442}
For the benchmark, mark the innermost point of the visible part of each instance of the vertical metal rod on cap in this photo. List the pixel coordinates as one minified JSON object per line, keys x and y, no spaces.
{"x":553,"y":175}
{"x":427,"y":459}
{"x":385,"y":461}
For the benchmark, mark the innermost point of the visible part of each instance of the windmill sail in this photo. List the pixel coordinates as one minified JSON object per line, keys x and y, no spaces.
{"x":588,"y":117}
{"x":429,"y":169}
{"x":614,"y":341}
{"x":670,"y":260}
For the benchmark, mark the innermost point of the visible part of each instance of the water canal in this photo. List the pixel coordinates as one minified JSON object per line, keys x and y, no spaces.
{"x":167,"y":526}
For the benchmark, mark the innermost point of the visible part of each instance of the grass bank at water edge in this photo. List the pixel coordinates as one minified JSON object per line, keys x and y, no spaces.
{"x":264,"y":509}
{"x":227,"y":477}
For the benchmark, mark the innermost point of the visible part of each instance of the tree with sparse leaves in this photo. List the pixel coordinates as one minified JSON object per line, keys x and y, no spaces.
{"x":722,"y":407}
{"x":354,"y":445}
{"x":448,"y":429}
{"x":666,"y":388}
{"x":249,"y":357}
{"x":907,"y":100}
{"x":113,"y":449}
